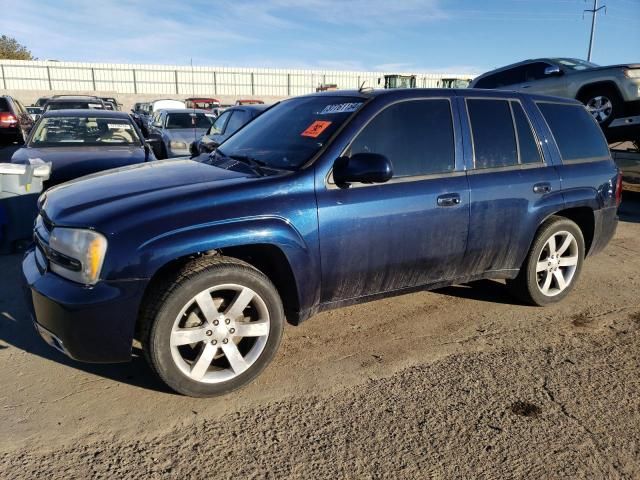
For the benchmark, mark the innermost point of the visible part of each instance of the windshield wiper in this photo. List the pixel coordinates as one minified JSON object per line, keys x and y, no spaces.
{"x":256,"y":165}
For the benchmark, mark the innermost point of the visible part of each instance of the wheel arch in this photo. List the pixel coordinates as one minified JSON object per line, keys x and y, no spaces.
{"x":584,"y":89}
{"x":582,"y":216}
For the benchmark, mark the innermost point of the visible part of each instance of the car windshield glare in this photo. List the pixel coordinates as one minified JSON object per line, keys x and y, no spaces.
{"x":575,"y":64}
{"x":289,"y":134}
{"x":188,"y":120}
{"x":83,"y":131}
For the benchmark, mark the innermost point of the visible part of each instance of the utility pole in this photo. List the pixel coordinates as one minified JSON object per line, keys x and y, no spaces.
{"x":594,"y":11}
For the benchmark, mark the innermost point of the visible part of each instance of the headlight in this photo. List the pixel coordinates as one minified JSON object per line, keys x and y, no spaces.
{"x":632,"y":73}
{"x":178,"y":145}
{"x":77,"y":254}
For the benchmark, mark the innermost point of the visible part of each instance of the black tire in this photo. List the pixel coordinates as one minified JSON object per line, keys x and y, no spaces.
{"x":163,"y":306}
{"x":162,"y":151}
{"x":526,"y":285}
{"x":609,"y":93}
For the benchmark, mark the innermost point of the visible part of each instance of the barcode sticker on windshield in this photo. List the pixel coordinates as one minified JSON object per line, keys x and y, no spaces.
{"x":340,"y":108}
{"x":118,"y":126}
{"x":315,"y":129}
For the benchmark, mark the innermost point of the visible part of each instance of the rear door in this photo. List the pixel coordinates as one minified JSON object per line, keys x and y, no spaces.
{"x":511,"y":186}
{"x":411,"y":230}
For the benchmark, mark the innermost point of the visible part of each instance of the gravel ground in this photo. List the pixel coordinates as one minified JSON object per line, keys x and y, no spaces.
{"x":459,"y":383}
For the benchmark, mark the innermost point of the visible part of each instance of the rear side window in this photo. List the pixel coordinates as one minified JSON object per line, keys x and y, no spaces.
{"x":416,"y":136}
{"x":577,"y":134}
{"x":527,"y":145}
{"x":494,"y":140}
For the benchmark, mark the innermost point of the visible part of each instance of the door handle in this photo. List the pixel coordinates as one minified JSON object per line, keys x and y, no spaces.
{"x":543,"y":187}
{"x":449,"y":200}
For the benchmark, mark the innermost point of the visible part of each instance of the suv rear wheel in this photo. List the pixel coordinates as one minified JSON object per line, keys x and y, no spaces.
{"x":553,"y":265}
{"x":603,"y":103}
{"x":213,"y":327}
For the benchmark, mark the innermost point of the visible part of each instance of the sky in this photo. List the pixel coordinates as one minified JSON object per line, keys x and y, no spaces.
{"x":454,"y":36}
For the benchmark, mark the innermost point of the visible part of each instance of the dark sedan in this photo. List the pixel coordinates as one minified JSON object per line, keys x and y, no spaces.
{"x":80,"y":142}
{"x":228,"y":123}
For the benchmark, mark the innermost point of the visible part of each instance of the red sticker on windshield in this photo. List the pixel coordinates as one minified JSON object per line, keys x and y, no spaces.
{"x":316,"y":128}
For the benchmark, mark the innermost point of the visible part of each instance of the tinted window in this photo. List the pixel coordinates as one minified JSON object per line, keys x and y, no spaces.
{"x":4,"y":105}
{"x":83,"y":131}
{"x":494,"y":142}
{"x":577,"y":134}
{"x":237,"y":120}
{"x":502,"y":79}
{"x":416,"y":136}
{"x":188,"y":120}
{"x":529,"y":152}
{"x":535,"y":71}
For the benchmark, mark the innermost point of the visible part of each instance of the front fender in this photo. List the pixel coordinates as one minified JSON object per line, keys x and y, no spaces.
{"x":270,"y":230}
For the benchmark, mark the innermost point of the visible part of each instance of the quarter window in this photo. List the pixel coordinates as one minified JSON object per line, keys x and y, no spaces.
{"x":577,"y":134}
{"x":494,"y":141}
{"x":416,"y":136}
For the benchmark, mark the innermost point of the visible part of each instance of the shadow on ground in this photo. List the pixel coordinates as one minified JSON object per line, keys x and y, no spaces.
{"x":17,"y":331}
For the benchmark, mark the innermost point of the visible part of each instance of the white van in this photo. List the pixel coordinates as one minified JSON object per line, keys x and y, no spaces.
{"x":166,"y":104}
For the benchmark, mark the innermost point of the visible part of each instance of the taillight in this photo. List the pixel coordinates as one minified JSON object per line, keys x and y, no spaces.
{"x":7,"y":120}
{"x":619,"y":188}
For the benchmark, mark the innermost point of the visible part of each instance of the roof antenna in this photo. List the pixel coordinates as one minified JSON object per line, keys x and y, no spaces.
{"x":364,"y":89}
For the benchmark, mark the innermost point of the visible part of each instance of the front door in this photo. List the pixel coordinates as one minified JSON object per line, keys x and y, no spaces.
{"x":407,"y":232}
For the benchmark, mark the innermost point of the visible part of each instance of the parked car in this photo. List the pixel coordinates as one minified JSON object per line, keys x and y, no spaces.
{"x":322,"y":201}
{"x":69,"y":102}
{"x":165,"y":104}
{"x":225,"y":125}
{"x":627,"y":157}
{"x":15,"y":121}
{"x":611,"y":93}
{"x":79,"y":142}
{"x":41,"y":102}
{"x":249,"y":102}
{"x":34,"y":112}
{"x":173,"y":130}
{"x":202,"y":103}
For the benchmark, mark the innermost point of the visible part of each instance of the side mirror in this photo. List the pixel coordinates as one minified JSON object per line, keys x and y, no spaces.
{"x":362,"y":168}
{"x":553,"y":71}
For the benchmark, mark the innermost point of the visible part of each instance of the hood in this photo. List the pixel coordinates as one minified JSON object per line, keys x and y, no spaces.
{"x":90,"y":200}
{"x":607,"y":67}
{"x":68,"y":163}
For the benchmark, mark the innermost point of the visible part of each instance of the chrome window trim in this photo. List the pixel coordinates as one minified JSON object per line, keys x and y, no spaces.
{"x":517,"y":166}
{"x":331,"y":185}
{"x":577,"y":160}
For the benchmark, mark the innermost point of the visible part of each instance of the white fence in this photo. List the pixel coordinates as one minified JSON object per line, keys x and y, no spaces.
{"x":181,"y":80}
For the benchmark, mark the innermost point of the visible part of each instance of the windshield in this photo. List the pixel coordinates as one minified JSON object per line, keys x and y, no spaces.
{"x":289,"y":134}
{"x":189,"y":120}
{"x":83,"y":131}
{"x":575,"y":64}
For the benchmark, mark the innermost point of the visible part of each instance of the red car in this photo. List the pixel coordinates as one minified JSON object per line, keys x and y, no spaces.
{"x":202,"y":103}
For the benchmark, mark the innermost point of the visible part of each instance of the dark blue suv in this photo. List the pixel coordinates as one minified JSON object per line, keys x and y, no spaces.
{"x":322,"y":201}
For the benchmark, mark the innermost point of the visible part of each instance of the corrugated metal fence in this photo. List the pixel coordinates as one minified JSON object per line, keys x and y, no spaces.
{"x":181,"y":80}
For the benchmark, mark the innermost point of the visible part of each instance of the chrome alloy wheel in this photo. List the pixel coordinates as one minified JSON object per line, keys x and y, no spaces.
{"x":557,"y":263}
{"x":220,"y":333}
{"x":600,"y":107}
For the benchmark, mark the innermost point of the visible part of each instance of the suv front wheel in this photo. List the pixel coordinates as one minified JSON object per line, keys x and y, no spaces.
{"x":553,"y":264}
{"x":212,"y":327}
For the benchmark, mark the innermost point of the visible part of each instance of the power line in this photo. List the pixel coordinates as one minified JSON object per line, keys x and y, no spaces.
{"x":594,"y":12}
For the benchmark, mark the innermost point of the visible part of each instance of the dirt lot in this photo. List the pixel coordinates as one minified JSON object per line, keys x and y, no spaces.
{"x":458,"y":383}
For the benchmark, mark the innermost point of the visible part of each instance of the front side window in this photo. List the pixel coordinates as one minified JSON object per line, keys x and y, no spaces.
{"x":494,"y":141}
{"x":416,"y":136}
{"x":83,"y":131}
{"x":577,"y":134}
{"x":535,"y":71}
{"x":218,"y":126}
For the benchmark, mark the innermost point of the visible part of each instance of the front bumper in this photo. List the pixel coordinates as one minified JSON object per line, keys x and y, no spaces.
{"x":90,"y":324}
